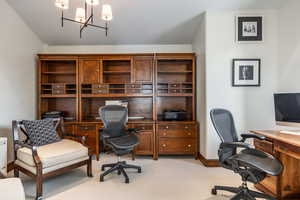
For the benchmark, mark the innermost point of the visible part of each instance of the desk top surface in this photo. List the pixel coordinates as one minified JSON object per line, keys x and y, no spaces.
{"x":277,"y":135}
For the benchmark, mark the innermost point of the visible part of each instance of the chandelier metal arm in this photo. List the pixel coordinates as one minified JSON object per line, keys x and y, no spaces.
{"x":83,"y":19}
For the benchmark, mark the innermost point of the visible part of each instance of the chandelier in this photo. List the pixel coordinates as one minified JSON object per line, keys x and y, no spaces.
{"x":82,"y":17}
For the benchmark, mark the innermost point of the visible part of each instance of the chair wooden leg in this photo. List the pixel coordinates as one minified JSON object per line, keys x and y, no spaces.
{"x":133,"y":155}
{"x":39,"y":182}
{"x":89,"y":167}
{"x":16,"y":172}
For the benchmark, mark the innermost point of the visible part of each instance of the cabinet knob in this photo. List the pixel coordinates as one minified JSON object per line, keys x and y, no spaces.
{"x":167,"y":127}
{"x":164,"y":145}
{"x":165,"y":134}
{"x":186,"y":127}
{"x":189,"y":134}
{"x":189,"y":145}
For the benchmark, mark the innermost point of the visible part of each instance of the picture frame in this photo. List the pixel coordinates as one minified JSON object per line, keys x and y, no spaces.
{"x":246,"y":72}
{"x":249,"y":29}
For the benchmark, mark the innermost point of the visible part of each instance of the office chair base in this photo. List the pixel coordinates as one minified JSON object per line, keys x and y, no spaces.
{"x":120,"y":166}
{"x":242,"y":192}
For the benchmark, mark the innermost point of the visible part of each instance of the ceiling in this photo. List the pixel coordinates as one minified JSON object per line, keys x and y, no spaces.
{"x":134,"y":22}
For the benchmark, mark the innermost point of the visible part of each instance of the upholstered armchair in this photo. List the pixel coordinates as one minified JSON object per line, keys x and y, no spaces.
{"x":11,"y":188}
{"x":42,"y":153}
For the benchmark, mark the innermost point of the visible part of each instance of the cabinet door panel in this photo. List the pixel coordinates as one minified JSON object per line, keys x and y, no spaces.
{"x":143,"y":69}
{"x":145,"y":146}
{"x":90,"y":71}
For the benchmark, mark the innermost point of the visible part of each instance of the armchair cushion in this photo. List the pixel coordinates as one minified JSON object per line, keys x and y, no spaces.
{"x":40,"y":132}
{"x":54,"y":154}
{"x":12,"y":188}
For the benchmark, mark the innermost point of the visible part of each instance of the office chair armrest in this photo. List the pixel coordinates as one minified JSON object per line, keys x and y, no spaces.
{"x":235,"y":145}
{"x":246,"y":136}
{"x":103,"y":134}
{"x":133,"y":130}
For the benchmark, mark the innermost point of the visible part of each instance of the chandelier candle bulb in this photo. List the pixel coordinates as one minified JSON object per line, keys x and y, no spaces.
{"x":84,"y":17}
{"x":63,"y":4}
{"x":106,"y":12}
{"x":92,"y":2}
{"x":80,"y":15}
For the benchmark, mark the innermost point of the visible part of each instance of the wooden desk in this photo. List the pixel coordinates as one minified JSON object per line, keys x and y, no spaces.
{"x":286,"y":147}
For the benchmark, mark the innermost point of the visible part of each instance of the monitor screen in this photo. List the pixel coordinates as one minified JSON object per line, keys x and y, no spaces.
{"x":287,"y":107}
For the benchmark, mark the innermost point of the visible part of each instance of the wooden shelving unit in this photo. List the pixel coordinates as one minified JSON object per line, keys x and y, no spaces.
{"x":79,"y":85}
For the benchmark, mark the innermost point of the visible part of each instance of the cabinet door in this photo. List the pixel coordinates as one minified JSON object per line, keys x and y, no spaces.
{"x":91,"y":133}
{"x":90,"y":71}
{"x":143,"y":69}
{"x":145,"y":146}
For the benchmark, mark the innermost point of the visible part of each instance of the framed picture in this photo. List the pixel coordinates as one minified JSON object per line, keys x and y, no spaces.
{"x":249,"y":29}
{"x":246,"y":72}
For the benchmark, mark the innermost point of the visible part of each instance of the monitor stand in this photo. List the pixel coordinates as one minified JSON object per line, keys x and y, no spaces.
{"x":295,"y":132}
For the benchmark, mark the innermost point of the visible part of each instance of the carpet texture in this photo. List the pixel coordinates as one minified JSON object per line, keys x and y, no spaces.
{"x":169,"y":178}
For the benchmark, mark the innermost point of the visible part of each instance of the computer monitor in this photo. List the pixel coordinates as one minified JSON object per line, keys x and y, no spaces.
{"x":287,"y":109}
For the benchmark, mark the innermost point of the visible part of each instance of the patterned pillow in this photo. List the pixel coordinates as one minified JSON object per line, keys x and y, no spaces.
{"x":41,"y":132}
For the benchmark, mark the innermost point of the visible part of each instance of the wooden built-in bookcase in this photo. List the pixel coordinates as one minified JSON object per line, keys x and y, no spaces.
{"x":79,"y":85}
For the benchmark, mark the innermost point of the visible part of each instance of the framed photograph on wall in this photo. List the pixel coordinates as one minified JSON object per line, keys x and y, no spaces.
{"x":246,"y":72}
{"x":249,"y":29}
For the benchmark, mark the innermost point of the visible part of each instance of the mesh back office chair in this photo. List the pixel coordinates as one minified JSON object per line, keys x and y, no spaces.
{"x":251,"y":164}
{"x":115,"y":135}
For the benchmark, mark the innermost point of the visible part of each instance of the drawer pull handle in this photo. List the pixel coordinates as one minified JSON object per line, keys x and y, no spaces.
{"x":165,"y":134}
{"x":186,"y":127}
{"x":167,"y":127}
{"x":189,"y":146}
{"x":164,"y":145}
{"x":189,"y":134}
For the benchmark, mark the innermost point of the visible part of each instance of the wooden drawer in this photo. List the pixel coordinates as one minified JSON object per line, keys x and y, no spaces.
{"x":143,"y":127}
{"x":264,"y":145}
{"x":99,"y":91}
{"x":177,"y":130}
{"x":128,"y":86}
{"x":58,"y":86}
{"x":89,"y":130}
{"x":133,"y":91}
{"x":69,"y":129}
{"x":176,"y":146}
{"x":58,"y":91}
{"x":175,"y":85}
{"x":99,"y":86}
{"x":174,"y":91}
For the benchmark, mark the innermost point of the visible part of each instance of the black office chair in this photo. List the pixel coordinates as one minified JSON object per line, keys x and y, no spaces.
{"x":251,"y":164}
{"x":116,"y":136}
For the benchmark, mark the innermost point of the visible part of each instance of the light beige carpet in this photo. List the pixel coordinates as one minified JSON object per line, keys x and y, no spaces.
{"x":169,"y":178}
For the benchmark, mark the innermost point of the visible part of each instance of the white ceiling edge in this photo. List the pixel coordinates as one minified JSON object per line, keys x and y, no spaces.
{"x":115,"y":49}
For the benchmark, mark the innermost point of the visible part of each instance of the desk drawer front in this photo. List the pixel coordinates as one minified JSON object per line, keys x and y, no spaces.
{"x":86,"y":130}
{"x":176,"y":146}
{"x":176,"y":131}
{"x":264,"y":145}
{"x":143,"y":127}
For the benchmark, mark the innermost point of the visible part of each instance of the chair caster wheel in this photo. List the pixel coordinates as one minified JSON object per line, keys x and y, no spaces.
{"x":213,"y":191}
{"x":126,"y":180}
{"x":101,"y":179}
{"x":139,"y":170}
{"x":119,"y":172}
{"x":102,"y":168}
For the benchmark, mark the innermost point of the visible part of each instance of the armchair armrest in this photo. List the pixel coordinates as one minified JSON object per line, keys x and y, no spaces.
{"x":250,"y":135}
{"x":35,"y":156}
{"x":78,"y":137}
{"x":235,"y":145}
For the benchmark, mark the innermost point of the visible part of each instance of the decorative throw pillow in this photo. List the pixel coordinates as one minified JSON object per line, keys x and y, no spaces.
{"x":41,"y":132}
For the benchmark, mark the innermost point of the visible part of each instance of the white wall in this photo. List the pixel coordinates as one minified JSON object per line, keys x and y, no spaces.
{"x":180,"y":48}
{"x":199,"y":47}
{"x":18,"y":48}
{"x":252,"y":107}
{"x":289,"y":47}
